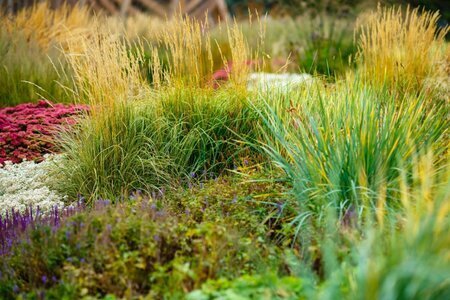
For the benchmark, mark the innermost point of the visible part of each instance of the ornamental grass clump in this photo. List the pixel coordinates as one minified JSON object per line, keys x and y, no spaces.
{"x":345,"y":146}
{"x":111,"y":150}
{"x":402,"y":49}
{"x":141,"y":135}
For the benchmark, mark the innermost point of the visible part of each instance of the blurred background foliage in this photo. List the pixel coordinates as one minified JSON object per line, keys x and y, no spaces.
{"x":345,"y":7}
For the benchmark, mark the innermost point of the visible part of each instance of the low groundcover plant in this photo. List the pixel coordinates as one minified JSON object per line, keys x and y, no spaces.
{"x":26,"y":129}
{"x":26,"y":185}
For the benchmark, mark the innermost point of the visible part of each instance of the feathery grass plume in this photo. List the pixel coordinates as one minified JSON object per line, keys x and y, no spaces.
{"x":401,"y":49}
{"x":49,"y":26}
{"x":241,"y":55}
{"x":187,"y":50}
{"x":191,"y":54}
{"x":30,"y":42}
{"x":105,"y":72}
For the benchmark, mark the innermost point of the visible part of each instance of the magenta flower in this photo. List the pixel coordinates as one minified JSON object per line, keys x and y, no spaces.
{"x":27,"y":130}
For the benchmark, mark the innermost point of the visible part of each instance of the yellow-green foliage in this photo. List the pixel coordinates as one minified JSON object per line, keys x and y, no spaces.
{"x":31,"y":61}
{"x":50,"y":26}
{"x":401,"y":48}
{"x":189,"y":52}
{"x":105,"y":71}
{"x":27,"y":73}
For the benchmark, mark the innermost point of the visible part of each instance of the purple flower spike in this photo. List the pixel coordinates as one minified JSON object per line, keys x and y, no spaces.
{"x":15,"y":224}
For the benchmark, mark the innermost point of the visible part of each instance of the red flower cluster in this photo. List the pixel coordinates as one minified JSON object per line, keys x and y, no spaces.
{"x":223,"y":75}
{"x":26,"y":130}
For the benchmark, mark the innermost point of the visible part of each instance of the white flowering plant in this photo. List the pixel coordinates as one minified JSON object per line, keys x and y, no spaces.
{"x":26,"y":185}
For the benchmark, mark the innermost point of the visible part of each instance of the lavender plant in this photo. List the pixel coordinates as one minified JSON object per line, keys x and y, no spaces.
{"x":15,"y":225}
